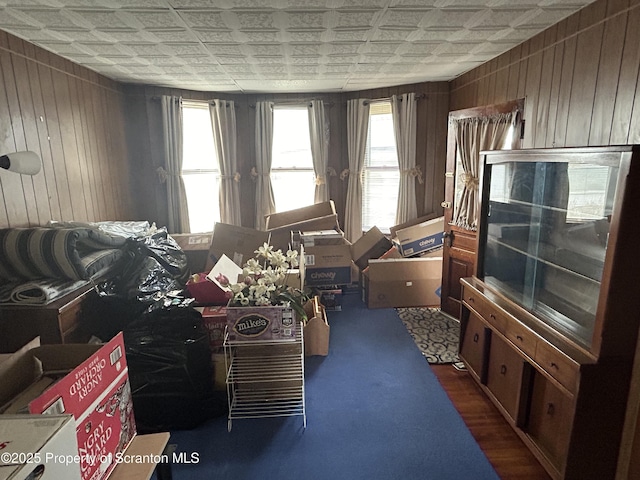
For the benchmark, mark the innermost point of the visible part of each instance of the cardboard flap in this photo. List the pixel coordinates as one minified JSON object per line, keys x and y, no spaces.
{"x":299,"y":215}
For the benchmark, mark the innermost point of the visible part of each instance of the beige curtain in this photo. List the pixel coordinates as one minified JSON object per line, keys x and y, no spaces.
{"x":472,"y":136}
{"x":403,"y":111}
{"x":171,"y":173}
{"x":357,"y":129}
{"x":223,"y":122}
{"x":265,"y":202}
{"x":319,"y":134}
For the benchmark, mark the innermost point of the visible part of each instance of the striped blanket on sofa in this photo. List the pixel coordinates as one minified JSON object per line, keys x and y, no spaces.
{"x":69,"y":253}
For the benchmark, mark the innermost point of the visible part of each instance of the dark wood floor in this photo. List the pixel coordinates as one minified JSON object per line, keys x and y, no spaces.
{"x":511,"y":459}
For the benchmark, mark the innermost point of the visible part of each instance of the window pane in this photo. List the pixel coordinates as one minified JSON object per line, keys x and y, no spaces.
{"x":202,"y":199}
{"x":198,"y":149}
{"x":380,"y":197}
{"x":291,"y":142}
{"x":293,"y":189}
{"x":381,"y":177}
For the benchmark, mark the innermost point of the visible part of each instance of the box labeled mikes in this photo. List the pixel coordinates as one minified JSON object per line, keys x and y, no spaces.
{"x":261,"y":323}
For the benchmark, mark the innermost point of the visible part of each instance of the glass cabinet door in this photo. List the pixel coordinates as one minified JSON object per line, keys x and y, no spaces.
{"x":547,"y":229}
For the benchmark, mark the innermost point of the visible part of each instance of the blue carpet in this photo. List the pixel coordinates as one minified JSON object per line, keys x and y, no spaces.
{"x":375,"y":410}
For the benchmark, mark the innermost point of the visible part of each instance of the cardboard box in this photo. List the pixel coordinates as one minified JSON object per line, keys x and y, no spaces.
{"x":196,"y":248}
{"x":92,"y":384}
{"x":316,"y":329}
{"x":37,"y":447}
{"x":322,"y":237}
{"x":215,"y":320}
{"x":420,"y":238}
{"x":330,"y":299}
{"x":403,"y":282}
{"x":237,"y":243}
{"x":320,"y":216}
{"x":328,"y":265}
{"x":372,"y":244}
{"x":257,"y":324}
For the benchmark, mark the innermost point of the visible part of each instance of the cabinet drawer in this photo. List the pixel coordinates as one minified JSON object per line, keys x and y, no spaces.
{"x":550,"y":420}
{"x":487,"y":310}
{"x":473,"y":345}
{"x":504,"y":375}
{"x":522,"y":337}
{"x":558,"y":365}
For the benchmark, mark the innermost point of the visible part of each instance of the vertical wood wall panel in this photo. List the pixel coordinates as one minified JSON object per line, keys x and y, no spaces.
{"x":44,"y":107}
{"x":581,"y":88}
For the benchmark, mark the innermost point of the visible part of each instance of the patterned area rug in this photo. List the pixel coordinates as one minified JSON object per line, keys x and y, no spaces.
{"x":435,"y":333}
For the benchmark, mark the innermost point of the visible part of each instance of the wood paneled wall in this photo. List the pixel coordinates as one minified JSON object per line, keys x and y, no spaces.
{"x":74,"y":119}
{"x":579,"y":78}
{"x":146,"y":147}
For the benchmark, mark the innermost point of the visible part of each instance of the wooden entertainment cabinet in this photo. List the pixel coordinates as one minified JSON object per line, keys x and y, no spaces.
{"x":548,"y":323}
{"x":61,"y":321}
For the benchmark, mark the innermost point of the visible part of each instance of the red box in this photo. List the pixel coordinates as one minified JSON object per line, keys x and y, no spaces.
{"x":98,"y":395}
{"x":215,"y":319}
{"x":207,"y":292}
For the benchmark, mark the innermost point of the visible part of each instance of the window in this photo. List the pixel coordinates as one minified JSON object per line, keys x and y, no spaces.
{"x":381,"y":174}
{"x":200,"y":167}
{"x":292,"y":176}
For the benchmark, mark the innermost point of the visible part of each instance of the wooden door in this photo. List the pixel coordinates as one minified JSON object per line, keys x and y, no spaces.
{"x":459,"y":254}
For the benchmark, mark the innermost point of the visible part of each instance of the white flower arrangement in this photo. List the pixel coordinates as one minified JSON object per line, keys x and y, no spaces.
{"x":264,"y":281}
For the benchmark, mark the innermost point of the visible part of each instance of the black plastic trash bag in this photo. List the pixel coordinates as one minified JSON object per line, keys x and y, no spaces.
{"x":170,"y":371}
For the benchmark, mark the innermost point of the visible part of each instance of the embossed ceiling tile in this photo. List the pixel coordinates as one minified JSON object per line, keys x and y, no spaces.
{"x":381,"y":47}
{"x":37,"y":35}
{"x":102,"y":18}
{"x":344,"y":35}
{"x":362,"y":3}
{"x":146,"y":49}
{"x":264,"y":69}
{"x":519,"y":34}
{"x":344,"y":48}
{"x":215,"y":36}
{"x":112,"y":49}
{"x":420,"y":48}
{"x":343,"y":59}
{"x":156,"y":19}
{"x":490,"y":48}
{"x":177,"y":70}
{"x":350,"y":19}
{"x":305,"y":60}
{"x":304,"y":69}
{"x":301,"y":49}
{"x":203,"y":19}
{"x":256,"y":20}
{"x":266,"y":50}
{"x":452,"y":18}
{"x":267,"y":60}
{"x":230,"y":49}
{"x":455,"y":48}
{"x":301,"y":20}
{"x":170,"y":35}
{"x":504,"y":18}
{"x":306,"y":35}
{"x":366,"y":68}
{"x":63,"y":48}
{"x":238,"y":68}
{"x":182,"y":49}
{"x":337,"y":68}
{"x":403,"y":18}
{"x":208,"y":69}
{"x":164,"y":60}
{"x":47,"y":17}
{"x":261,"y":36}
{"x":391,"y":34}
{"x":438,"y":34}
{"x":125,"y":35}
{"x":478,"y":35}
{"x":547,"y":16}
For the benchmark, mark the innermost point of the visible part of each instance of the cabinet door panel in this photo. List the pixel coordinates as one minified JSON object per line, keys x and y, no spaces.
{"x":504,"y":375}
{"x":550,"y":420}
{"x":473,"y":345}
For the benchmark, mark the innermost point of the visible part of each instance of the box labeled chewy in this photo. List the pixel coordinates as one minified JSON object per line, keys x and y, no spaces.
{"x":91,"y":383}
{"x":328,"y":265}
{"x":30,"y":446}
{"x":264,"y":323}
{"x":419,"y":238}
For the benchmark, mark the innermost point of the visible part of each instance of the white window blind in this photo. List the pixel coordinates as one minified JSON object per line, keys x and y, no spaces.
{"x":200,"y":167}
{"x":381,"y":175}
{"x":292,"y":176}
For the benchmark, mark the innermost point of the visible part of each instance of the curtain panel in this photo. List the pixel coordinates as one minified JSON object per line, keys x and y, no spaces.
{"x":265,"y":201}
{"x":403,"y":111}
{"x":472,"y":136}
{"x":319,"y":135}
{"x":223,"y":123}
{"x":357,"y":129}
{"x":171,"y":173}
